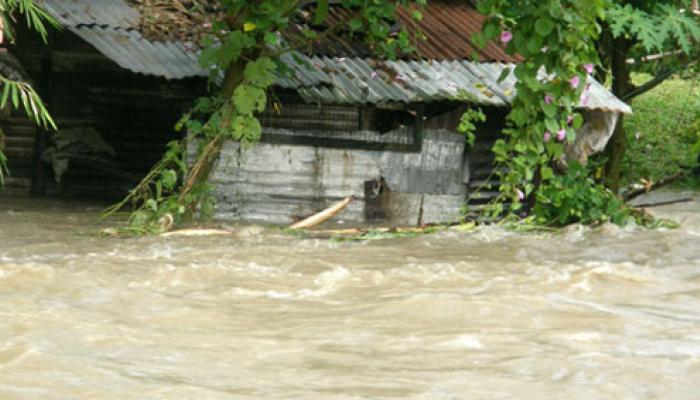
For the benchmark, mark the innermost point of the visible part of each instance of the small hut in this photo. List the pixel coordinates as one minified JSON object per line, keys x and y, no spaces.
{"x":348,"y":123}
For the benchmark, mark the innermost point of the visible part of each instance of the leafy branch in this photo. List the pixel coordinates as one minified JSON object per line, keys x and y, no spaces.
{"x":17,"y":93}
{"x":36,"y":17}
{"x":21,"y":94}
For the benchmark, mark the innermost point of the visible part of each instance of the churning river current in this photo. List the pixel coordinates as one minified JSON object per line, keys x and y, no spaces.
{"x":584,"y":313}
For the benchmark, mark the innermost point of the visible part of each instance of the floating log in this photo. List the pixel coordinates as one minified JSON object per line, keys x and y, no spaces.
{"x":664,"y":203}
{"x":653,"y":186}
{"x":322,"y":216}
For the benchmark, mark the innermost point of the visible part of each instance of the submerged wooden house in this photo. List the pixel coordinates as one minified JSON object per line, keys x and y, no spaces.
{"x":349,"y":124}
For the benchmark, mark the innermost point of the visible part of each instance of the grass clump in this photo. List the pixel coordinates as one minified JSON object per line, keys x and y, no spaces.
{"x":663,"y":131}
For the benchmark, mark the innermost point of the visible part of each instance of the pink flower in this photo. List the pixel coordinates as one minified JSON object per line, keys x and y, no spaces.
{"x":547,"y":136}
{"x":584,"y":99}
{"x":548,"y":99}
{"x":506,"y":36}
{"x":373,"y":75}
{"x":561,"y":135}
{"x":589,"y":68}
{"x":569,"y":119}
{"x":520,"y":194}
{"x":575,"y":81}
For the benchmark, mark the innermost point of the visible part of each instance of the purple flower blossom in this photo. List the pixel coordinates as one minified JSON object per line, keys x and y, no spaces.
{"x":575,"y":81}
{"x":520,"y":194}
{"x":561,"y":135}
{"x":547,"y":136}
{"x":584,"y":99}
{"x":589,"y":68}
{"x":374,"y":75}
{"x":569,"y":119}
{"x":548,"y":99}
{"x":506,"y":36}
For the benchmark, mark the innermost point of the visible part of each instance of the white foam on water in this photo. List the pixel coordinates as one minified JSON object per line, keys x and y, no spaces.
{"x":464,"y":342}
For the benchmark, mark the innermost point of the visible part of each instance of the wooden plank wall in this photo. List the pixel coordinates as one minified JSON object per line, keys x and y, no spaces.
{"x":19,"y":147}
{"x":482,"y":183}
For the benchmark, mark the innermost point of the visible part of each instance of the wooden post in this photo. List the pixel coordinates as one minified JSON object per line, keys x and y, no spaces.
{"x":418,"y":128}
{"x":44,"y":88}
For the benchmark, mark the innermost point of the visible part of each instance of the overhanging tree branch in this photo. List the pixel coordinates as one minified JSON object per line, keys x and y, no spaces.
{"x":649,"y":85}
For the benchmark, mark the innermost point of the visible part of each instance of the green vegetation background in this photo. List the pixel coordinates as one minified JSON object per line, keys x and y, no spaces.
{"x":663,"y":131}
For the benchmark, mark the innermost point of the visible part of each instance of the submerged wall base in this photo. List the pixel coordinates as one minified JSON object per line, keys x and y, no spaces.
{"x":280,"y":184}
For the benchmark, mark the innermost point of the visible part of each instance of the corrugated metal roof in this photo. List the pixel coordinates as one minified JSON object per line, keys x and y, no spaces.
{"x":113,"y":13}
{"x":109,"y":25}
{"x":356,"y":81}
{"x":132,"y":51}
{"x":339,"y":80}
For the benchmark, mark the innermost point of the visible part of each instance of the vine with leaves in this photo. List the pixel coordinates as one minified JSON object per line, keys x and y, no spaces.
{"x":557,"y":40}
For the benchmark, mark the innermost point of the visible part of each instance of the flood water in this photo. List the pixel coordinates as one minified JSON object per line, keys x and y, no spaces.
{"x":605,"y":313}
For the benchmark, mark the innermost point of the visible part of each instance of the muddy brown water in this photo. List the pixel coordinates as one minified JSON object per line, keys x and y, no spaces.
{"x":605,"y":313}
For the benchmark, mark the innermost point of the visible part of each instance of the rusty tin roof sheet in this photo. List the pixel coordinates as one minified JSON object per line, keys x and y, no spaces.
{"x":447,"y":24}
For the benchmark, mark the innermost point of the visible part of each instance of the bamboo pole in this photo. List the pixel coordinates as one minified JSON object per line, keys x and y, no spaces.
{"x":322,"y":216}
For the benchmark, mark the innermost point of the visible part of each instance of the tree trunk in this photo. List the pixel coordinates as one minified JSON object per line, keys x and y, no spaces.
{"x":615,"y":149}
{"x":202,"y":167}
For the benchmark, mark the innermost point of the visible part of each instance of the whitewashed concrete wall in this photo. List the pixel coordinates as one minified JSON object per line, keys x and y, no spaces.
{"x":280,"y":184}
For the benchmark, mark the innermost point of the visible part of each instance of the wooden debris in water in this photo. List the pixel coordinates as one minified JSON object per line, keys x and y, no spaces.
{"x":385,"y":232}
{"x":322,"y":216}
{"x":649,"y":186}
{"x":198,"y":232}
{"x":664,"y":203}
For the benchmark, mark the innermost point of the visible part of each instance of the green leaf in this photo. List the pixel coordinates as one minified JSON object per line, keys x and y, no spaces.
{"x":169,"y":179}
{"x":547,"y":173}
{"x":544,"y":26}
{"x":504,"y":74}
{"x":151,"y":204}
{"x":321,"y":12}
{"x":229,"y":51}
{"x":249,"y":99}
{"x":261,"y":72}
{"x":271,"y":39}
{"x":355,"y":24}
{"x":246,"y":128}
{"x":551,"y":126}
